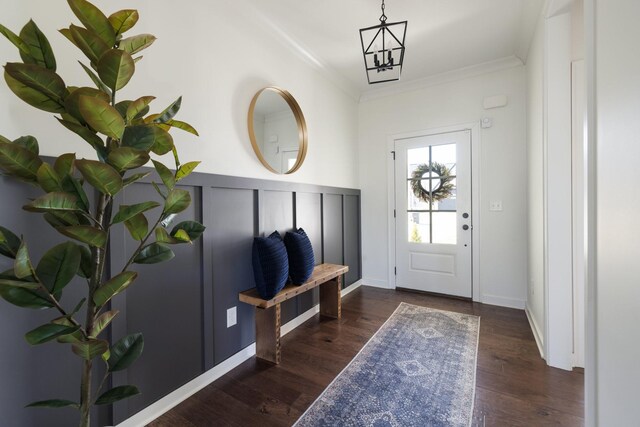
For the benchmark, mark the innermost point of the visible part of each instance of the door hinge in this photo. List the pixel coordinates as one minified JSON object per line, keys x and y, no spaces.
{"x":395,"y":271}
{"x":394,"y":213}
{"x":393,"y":153}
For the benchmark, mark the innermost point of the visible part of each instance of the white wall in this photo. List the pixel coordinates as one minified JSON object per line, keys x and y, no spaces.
{"x":217,"y":56}
{"x":616,"y":122}
{"x":503,"y":258}
{"x":535,"y":155}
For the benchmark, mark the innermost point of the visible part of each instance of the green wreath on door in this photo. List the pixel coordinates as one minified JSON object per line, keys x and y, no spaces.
{"x":440,"y":192}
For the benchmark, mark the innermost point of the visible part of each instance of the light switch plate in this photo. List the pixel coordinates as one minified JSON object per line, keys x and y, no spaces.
{"x":495,"y":205}
{"x":232,"y":317}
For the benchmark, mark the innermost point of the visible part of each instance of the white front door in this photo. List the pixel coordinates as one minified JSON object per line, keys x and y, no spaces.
{"x":433,"y":213}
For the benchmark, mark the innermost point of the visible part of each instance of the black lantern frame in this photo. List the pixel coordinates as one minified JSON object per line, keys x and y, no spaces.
{"x":383,"y":64}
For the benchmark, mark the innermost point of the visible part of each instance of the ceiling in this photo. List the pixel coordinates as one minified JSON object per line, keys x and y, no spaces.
{"x":442,"y":35}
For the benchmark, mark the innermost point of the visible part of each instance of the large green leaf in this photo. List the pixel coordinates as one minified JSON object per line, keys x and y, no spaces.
{"x":95,"y":79}
{"x":9,"y":243}
{"x":41,"y":79}
{"x":102,"y":322}
{"x":29,"y":142}
{"x":90,"y":349}
{"x":19,"y":284}
{"x":116,"y":394}
{"x":73,"y":186}
{"x":58,"y":266}
{"x":48,"y":178}
{"x":102,"y":117}
{"x":165,"y":174}
{"x":61,"y":219}
{"x":163,"y":142}
{"x":138,"y":227}
{"x":88,"y":135}
{"x":170,"y":112}
{"x":135,"y":44}
{"x":22,"y":266}
{"x":72,"y":102}
{"x":13,"y":38}
{"x":113,"y":287}
{"x":123,"y":20}
{"x":53,"y":403}
{"x":194,"y":229}
{"x":116,"y":68}
{"x":154,"y":253}
{"x":48,"y":332}
{"x":126,"y":158}
{"x":64,"y":164}
{"x":139,"y":107}
{"x":183,"y":126}
{"x":88,"y":42}
{"x":24,"y":298}
{"x":53,"y":202}
{"x":17,"y":161}
{"x":86,"y":267}
{"x":186,"y":170}
{"x":177,"y":201}
{"x":94,"y":20}
{"x":85,"y":234}
{"x":126,"y":212}
{"x":40,"y":52}
{"x":162,"y":236}
{"x":146,"y":138}
{"x":101,"y":176}
{"x":34,"y":97}
{"x":122,"y":108}
{"x":125,"y":352}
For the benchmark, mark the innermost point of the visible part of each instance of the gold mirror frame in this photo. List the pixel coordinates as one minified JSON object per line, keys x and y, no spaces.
{"x":300,"y":121}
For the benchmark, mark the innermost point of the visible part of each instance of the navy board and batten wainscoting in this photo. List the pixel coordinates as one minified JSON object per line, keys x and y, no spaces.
{"x":180,"y":306}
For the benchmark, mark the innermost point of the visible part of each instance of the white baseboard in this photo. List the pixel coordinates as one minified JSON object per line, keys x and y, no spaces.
{"x":176,"y":397}
{"x":503,"y":301}
{"x":377,"y":283}
{"x":536,"y":330}
{"x":171,"y":400}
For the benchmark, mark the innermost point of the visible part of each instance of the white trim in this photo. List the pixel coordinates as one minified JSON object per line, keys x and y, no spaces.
{"x":176,"y":397}
{"x":378,"y":283}
{"x":535,"y":329}
{"x":504,"y":301}
{"x":476,"y":152}
{"x":446,"y":77}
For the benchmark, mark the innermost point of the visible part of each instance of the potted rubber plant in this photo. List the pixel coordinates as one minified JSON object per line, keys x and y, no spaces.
{"x":124,"y":135}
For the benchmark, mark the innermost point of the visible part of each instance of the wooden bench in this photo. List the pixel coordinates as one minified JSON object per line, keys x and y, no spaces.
{"x":268,"y":320}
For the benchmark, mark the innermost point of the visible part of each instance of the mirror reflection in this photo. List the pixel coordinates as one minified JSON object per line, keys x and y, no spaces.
{"x":277,"y":130}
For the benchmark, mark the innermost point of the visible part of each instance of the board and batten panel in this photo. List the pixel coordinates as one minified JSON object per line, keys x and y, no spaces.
{"x":231,"y":226}
{"x":333,"y":229}
{"x":31,"y":373}
{"x":352,"y":239}
{"x":164,"y":303}
{"x":308,"y":208}
{"x":276,"y":211}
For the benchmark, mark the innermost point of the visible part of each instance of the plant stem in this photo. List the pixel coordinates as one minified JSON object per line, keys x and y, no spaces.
{"x":85,"y":392}
{"x":142,"y":243}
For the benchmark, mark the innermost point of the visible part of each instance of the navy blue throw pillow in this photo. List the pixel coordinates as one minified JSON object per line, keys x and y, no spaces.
{"x":301,"y":259}
{"x":270,"y":265}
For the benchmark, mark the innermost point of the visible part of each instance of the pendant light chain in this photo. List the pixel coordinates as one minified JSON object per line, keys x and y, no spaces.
{"x":383,"y":17}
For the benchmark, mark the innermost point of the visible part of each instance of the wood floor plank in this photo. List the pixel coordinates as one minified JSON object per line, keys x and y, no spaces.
{"x":514,"y":386}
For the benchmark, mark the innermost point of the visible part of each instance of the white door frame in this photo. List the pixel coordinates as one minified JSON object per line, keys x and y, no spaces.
{"x":476,"y":145}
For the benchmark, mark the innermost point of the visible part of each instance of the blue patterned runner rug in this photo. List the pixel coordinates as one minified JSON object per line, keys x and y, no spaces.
{"x":419,"y":369}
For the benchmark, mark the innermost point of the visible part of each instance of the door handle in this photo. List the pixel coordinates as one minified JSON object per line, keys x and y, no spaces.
{"x":465,"y":227}
{"x":465,"y":215}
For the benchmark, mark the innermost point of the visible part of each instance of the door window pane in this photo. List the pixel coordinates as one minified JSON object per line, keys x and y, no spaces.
{"x":415,"y":202}
{"x":419,"y":229}
{"x":415,"y":158}
{"x":445,"y":155}
{"x":444,"y":228}
{"x":449,"y":203}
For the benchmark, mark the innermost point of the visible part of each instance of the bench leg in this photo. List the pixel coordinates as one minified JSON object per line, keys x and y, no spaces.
{"x":268,"y":333}
{"x":330,"y":300}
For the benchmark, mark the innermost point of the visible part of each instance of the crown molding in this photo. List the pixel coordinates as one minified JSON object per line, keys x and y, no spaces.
{"x":447,"y":77}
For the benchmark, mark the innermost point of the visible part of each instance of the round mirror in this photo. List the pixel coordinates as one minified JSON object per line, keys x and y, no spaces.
{"x":277,"y":130}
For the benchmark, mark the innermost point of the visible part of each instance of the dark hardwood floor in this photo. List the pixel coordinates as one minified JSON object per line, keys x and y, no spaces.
{"x":514,"y":387}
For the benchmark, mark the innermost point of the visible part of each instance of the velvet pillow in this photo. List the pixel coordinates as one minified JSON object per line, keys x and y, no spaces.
{"x":301,"y":259}
{"x":270,"y":265}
